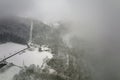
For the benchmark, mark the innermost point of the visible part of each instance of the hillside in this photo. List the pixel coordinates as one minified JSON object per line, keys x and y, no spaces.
{"x":67,"y":61}
{"x":15,"y":29}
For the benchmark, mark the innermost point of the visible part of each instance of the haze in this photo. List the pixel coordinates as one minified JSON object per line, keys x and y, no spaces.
{"x":96,"y":21}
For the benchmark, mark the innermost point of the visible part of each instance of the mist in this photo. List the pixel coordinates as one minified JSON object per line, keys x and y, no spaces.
{"x":95,"y":21}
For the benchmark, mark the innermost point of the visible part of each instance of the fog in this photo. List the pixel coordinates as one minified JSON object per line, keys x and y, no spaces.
{"x":96,"y":21}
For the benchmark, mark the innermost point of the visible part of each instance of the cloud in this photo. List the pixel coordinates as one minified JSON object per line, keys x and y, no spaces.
{"x":15,"y":7}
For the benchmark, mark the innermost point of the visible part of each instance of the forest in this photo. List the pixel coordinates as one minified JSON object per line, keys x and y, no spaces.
{"x":68,"y":61}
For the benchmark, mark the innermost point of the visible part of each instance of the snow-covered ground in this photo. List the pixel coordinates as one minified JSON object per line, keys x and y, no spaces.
{"x":9,"y":73}
{"x":24,"y":59}
{"x":9,"y":48}
{"x":29,"y":57}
